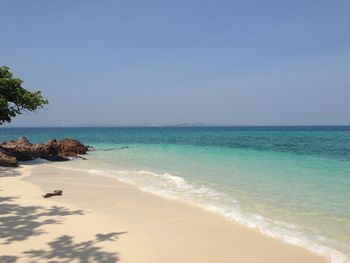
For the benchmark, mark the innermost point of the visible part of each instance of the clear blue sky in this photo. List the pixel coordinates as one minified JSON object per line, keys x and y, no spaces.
{"x":220,"y":62}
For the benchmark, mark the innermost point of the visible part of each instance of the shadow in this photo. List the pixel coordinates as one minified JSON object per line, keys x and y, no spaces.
{"x":108,"y":237}
{"x":64,"y":249}
{"x":8,"y":259}
{"x":18,"y":222}
{"x":9,"y":172}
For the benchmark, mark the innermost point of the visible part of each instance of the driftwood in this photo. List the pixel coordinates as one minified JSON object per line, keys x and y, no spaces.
{"x":55,"y":192}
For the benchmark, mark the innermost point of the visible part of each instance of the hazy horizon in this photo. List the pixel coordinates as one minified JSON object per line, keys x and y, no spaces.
{"x":175,"y":125}
{"x":141,"y":63}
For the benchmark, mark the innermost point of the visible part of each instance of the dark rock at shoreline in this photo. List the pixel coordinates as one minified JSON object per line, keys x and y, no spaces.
{"x":21,"y":149}
{"x":53,"y":150}
{"x":71,"y":148}
{"x":57,"y":158}
{"x":6,"y":159}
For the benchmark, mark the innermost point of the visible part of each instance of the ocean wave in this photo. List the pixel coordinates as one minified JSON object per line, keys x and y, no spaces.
{"x":177,"y":188}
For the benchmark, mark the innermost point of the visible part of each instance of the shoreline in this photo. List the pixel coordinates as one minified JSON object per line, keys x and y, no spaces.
{"x":161,"y":230}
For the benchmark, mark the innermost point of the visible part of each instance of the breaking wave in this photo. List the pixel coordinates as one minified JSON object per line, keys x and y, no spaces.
{"x":177,"y":188}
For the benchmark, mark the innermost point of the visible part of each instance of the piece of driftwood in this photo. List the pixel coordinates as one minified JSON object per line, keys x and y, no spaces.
{"x":55,"y":192}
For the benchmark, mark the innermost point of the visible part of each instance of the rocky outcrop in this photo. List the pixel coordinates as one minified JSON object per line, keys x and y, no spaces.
{"x":53,"y":150}
{"x":6,"y":159}
{"x":70,"y":148}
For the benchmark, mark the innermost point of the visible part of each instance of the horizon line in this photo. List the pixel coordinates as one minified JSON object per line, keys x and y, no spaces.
{"x":177,"y":126}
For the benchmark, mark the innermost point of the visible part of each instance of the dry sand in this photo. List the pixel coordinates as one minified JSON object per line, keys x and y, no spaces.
{"x":100,"y":219}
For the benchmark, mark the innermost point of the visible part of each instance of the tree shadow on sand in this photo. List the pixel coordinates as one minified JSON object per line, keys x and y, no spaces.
{"x":9,"y":172}
{"x":8,"y":259}
{"x":21,"y":222}
{"x":18,"y":222}
{"x":64,"y":249}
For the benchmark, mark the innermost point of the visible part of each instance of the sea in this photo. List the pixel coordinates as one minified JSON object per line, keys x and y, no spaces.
{"x":290,"y":183}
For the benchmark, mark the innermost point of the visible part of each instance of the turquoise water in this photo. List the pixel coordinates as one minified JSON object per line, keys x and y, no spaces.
{"x":292,"y":183}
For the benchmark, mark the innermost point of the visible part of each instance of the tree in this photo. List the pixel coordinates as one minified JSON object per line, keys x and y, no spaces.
{"x":14,"y":99}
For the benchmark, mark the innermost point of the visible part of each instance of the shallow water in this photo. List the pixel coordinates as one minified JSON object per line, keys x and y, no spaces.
{"x":292,"y":183}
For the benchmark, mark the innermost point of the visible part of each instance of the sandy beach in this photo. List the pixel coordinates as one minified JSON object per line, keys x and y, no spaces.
{"x":100,"y":219}
{"x":175,"y":131}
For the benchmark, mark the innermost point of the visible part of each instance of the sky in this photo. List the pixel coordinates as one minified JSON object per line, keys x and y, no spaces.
{"x":243,"y":62}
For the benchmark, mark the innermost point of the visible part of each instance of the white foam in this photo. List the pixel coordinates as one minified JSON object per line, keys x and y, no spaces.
{"x":95,"y":172}
{"x":175,"y":187}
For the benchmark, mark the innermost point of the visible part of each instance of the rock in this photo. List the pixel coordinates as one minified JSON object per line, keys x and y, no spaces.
{"x":6,"y":159}
{"x":70,"y":148}
{"x":49,"y":149}
{"x":24,"y":141}
{"x":23,"y":150}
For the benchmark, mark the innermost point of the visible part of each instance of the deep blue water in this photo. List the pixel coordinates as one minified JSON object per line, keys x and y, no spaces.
{"x":331,"y":141}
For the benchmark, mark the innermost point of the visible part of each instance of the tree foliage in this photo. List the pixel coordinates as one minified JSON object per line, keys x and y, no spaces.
{"x":14,"y":99}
